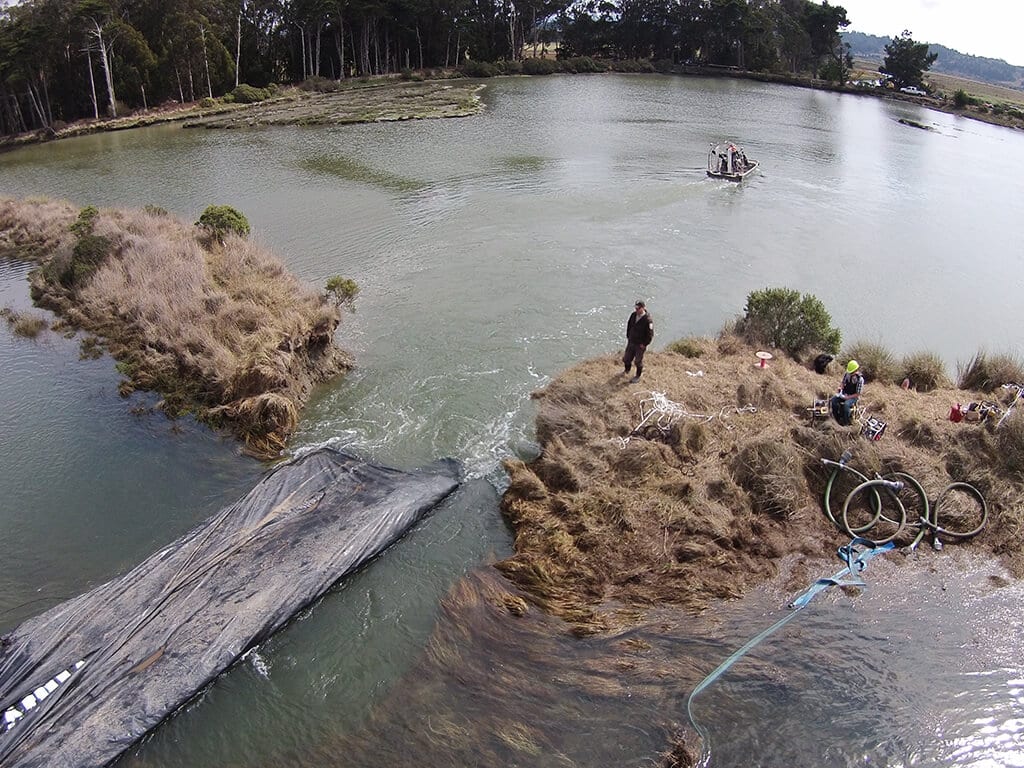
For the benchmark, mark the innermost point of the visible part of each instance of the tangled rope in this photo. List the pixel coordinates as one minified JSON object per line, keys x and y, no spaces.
{"x":659,"y":413}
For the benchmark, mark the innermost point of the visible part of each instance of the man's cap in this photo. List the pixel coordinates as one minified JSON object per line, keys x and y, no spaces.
{"x":852,"y":366}
{"x":640,"y":303}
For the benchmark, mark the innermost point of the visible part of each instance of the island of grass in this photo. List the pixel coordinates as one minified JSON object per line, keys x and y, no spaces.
{"x":609,"y":520}
{"x":201,"y":315}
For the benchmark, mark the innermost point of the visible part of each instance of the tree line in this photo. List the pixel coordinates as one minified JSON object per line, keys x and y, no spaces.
{"x":62,"y":60}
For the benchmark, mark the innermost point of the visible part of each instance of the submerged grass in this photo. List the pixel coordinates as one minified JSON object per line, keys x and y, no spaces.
{"x":353,"y":170}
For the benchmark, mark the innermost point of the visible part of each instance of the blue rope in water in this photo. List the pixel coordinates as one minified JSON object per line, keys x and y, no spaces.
{"x":856,"y":555}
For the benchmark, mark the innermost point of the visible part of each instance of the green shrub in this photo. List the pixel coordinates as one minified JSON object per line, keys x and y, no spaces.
{"x":247,"y":94}
{"x":926,"y":371}
{"x":72,"y":270}
{"x":342,"y":291}
{"x":876,"y":362}
{"x":583,"y":64}
{"x":782,"y":318}
{"x":540,"y":67}
{"x":219,"y":220}
{"x":509,"y":67}
{"x":86,"y":221}
{"x":986,"y":373}
{"x":478,"y":69}
{"x":691,"y":346}
{"x":961,"y":99}
{"x":206,"y":102}
{"x":319,"y":84}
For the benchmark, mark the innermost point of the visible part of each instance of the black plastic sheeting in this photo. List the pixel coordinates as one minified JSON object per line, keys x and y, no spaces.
{"x":82,"y":682}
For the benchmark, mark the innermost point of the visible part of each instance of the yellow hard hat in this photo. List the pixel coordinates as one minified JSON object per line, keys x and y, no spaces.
{"x":852,"y":366}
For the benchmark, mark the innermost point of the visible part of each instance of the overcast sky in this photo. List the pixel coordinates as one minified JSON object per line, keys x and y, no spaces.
{"x":990,"y":28}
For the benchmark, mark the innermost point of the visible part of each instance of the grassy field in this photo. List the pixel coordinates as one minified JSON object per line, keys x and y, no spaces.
{"x":949,"y":84}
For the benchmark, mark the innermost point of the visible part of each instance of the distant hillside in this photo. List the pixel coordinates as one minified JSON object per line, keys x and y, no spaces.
{"x":949,"y":62}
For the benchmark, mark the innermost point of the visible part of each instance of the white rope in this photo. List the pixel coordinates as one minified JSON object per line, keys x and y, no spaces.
{"x":659,"y":411}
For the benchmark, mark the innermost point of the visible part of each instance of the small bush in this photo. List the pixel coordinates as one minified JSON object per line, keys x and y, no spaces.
{"x":206,"y":102}
{"x":583,"y":64}
{"x":342,"y":291}
{"x":86,"y":221}
{"x":89,"y":253}
{"x":478,"y":69}
{"x":876,"y":362}
{"x":247,"y":94}
{"x":986,"y":373}
{"x":782,"y":318}
{"x":689,"y":347}
{"x":155,"y":210}
{"x":664,"y":66}
{"x":540,"y":67}
{"x":961,"y":99}
{"x":326,"y":85}
{"x":509,"y":67}
{"x":926,"y":371}
{"x":219,"y":220}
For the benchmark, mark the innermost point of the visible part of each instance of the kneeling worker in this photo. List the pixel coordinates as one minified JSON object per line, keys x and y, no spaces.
{"x":849,"y":390}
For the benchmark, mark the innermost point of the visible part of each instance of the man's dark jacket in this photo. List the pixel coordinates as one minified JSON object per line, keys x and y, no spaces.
{"x":640,"y":330}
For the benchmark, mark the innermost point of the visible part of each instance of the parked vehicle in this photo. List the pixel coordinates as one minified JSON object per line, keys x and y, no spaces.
{"x":913,"y":90}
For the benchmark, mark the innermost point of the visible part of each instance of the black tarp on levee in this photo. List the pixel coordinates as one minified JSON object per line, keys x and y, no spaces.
{"x":82,"y":682}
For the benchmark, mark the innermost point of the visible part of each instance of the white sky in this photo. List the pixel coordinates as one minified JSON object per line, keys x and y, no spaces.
{"x":991,"y":28}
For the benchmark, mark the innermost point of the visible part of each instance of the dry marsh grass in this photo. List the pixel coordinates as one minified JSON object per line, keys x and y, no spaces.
{"x":218,"y":329}
{"x":705,"y":508}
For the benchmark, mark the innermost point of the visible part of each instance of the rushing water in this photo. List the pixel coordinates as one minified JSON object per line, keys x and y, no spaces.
{"x":492,"y":252}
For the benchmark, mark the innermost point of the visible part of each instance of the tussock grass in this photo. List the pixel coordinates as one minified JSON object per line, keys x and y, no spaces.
{"x":926,"y":371}
{"x":876,"y":362}
{"x":218,"y":328}
{"x":706,"y":508}
{"x":986,"y":373}
{"x":23,"y":324}
{"x":692,"y":346}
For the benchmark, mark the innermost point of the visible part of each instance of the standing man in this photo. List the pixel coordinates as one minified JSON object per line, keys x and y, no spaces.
{"x":639,"y":333}
{"x":849,"y":391}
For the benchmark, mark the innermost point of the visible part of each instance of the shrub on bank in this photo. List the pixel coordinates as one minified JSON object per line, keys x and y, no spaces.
{"x":342,"y":291}
{"x":540,"y":66}
{"x":478,"y":69}
{"x":247,"y":94}
{"x":876,"y":362}
{"x":582,"y":64}
{"x":986,"y":373}
{"x":691,"y":346}
{"x":926,"y":371}
{"x":782,"y":318}
{"x":219,"y":220}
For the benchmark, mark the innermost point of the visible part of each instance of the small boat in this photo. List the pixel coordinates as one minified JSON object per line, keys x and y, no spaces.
{"x":729,"y":162}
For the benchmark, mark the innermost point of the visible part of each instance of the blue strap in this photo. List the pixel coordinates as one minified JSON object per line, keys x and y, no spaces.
{"x":856,"y":555}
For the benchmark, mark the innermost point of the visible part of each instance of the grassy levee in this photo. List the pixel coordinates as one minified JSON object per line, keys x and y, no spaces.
{"x":218,"y":328}
{"x":707,"y":508}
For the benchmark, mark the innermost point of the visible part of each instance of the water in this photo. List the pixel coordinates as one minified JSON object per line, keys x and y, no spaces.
{"x":492,"y":252}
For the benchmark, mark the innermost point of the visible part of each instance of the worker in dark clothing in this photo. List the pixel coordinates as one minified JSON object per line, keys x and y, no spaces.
{"x":639,"y":333}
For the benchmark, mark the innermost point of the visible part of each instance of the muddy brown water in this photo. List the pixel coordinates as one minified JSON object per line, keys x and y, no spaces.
{"x":492,"y":252}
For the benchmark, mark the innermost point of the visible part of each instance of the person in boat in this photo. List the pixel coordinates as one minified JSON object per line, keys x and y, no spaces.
{"x":744,"y":163}
{"x":849,"y":392}
{"x":639,"y":333}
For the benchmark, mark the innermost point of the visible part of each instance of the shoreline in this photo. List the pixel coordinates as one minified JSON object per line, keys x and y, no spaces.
{"x":296,"y":106}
